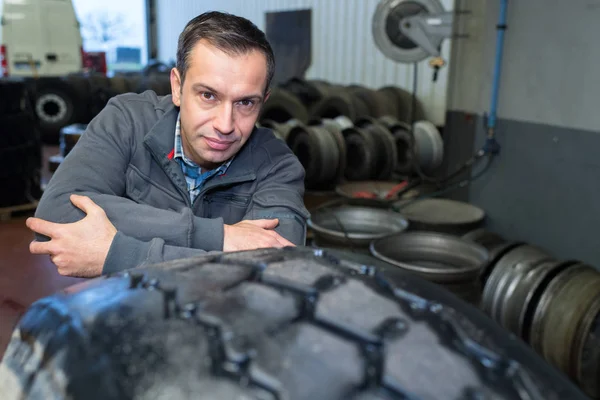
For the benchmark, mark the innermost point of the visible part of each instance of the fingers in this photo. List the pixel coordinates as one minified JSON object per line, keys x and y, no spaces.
{"x":41,"y":247}
{"x":85,"y":204}
{"x":264,"y":223}
{"x":43,"y":227}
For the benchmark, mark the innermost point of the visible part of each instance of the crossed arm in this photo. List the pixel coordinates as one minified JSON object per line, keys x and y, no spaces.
{"x":87,"y":227}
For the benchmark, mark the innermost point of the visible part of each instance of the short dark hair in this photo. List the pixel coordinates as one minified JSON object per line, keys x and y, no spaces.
{"x":229,"y":33}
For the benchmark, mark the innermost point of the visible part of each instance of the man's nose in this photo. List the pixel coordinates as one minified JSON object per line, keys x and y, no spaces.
{"x":223,"y":121}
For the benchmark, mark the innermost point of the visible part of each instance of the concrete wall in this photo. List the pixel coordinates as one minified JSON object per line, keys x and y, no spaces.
{"x":343,"y":47}
{"x":544,"y":186}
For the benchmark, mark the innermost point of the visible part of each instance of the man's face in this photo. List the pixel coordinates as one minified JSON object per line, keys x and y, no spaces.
{"x":219,"y":102}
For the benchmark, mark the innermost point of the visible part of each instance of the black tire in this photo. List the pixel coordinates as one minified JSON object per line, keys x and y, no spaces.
{"x":340,"y":103}
{"x":305,"y":146}
{"x":17,"y":129}
{"x":119,"y":84}
{"x":282,"y":106}
{"x":268,"y":324}
{"x":361,"y":154}
{"x":55,"y":106}
{"x":14,"y":96}
{"x":403,"y":102}
{"x":376,"y":104}
{"x":82,"y":92}
{"x":303,"y":90}
{"x":387,"y":154}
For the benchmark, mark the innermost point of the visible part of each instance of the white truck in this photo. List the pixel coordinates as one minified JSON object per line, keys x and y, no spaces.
{"x":40,"y":40}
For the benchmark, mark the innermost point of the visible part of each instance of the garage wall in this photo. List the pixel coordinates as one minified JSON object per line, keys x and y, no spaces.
{"x":544,"y":186}
{"x":343,"y":48}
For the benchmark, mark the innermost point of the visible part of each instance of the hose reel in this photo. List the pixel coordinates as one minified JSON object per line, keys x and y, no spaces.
{"x":408,"y":31}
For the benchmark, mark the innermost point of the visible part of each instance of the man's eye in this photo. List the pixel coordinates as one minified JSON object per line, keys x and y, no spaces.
{"x":247,"y":103}
{"x":207,"y":95}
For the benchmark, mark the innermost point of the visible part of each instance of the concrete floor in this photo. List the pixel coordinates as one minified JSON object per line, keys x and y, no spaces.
{"x":24,"y":277}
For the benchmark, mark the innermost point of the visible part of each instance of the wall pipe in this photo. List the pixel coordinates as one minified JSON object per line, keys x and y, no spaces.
{"x":491,"y":143}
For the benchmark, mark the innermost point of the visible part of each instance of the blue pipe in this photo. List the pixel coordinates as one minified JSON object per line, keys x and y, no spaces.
{"x":497,"y":65}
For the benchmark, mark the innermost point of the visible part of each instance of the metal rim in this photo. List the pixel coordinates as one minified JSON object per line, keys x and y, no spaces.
{"x":508,"y":260}
{"x":522,"y":293}
{"x":390,"y":215}
{"x":431,"y":245}
{"x":541,"y":309}
{"x":382,"y":40}
{"x":486,"y":238}
{"x":415,"y":212}
{"x":560,"y":323}
{"x":508,"y":301}
{"x":514,"y":267}
{"x":57,"y":101}
{"x":587,"y":353}
{"x":496,"y":255}
{"x":427,"y":136}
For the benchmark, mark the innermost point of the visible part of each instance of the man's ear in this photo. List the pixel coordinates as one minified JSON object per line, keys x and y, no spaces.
{"x":176,"y":87}
{"x":267,"y":95}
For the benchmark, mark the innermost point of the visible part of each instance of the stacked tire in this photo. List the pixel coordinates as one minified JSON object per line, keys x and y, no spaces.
{"x":78,"y":98}
{"x":20,"y":146}
{"x":380,"y":140}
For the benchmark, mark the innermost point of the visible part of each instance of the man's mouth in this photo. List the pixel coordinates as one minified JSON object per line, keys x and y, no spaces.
{"x":218,"y":144}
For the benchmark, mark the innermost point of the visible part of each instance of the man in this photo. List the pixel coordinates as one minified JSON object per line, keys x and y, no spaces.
{"x":159,"y":178}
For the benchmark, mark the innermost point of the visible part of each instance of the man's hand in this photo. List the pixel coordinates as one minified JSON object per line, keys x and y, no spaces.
{"x":80,"y":248}
{"x":253,"y":234}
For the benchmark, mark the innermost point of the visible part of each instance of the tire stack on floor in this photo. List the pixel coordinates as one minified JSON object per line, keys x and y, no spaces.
{"x":78,"y":98}
{"x":551,"y":304}
{"x":338,"y":150}
{"x":69,"y":104}
{"x":352,"y":133}
{"x":20,"y":146}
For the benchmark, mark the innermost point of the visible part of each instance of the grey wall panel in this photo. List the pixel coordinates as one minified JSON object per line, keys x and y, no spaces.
{"x":549,"y":65}
{"x":543,"y":187}
{"x":343,"y":46}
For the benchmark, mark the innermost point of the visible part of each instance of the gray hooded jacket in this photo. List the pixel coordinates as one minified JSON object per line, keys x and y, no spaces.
{"x":122,"y":163}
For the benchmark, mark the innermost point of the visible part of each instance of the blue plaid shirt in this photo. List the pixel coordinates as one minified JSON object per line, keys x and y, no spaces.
{"x":193,"y":173}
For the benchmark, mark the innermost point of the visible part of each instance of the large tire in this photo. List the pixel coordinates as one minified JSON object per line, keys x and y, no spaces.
{"x":57,"y":104}
{"x":14,"y":96}
{"x":282,"y":106}
{"x":20,"y":145}
{"x":268,"y":324}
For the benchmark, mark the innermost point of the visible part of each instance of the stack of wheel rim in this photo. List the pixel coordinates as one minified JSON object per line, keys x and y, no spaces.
{"x":553,"y":305}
